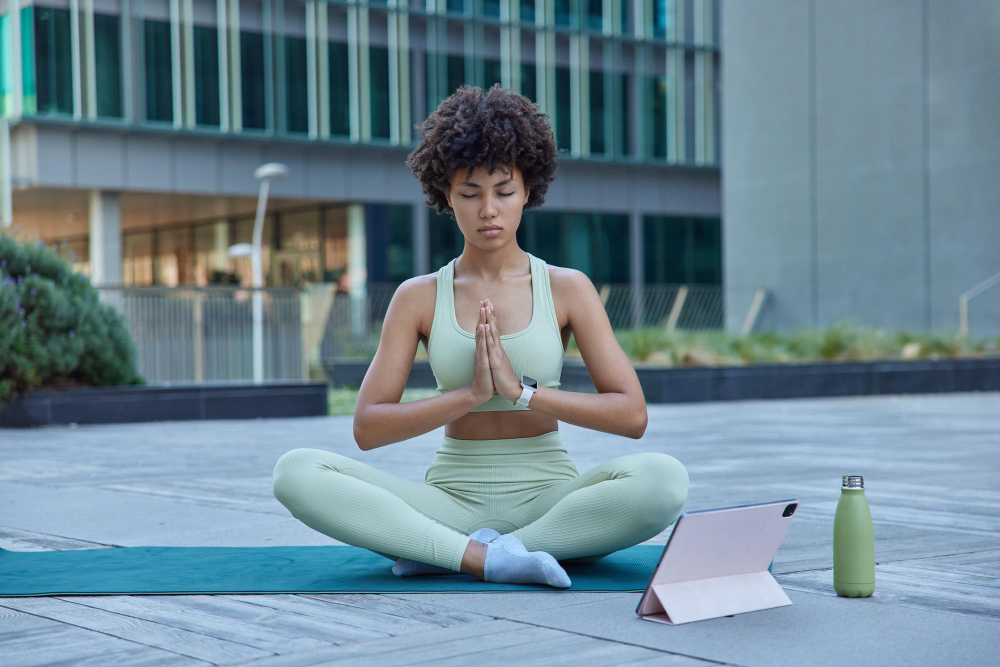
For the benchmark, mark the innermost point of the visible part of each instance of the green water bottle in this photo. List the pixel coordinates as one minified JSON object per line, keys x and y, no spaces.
{"x":853,"y":541}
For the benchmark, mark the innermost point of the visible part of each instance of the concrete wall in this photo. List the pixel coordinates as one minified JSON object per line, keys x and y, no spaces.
{"x":862,"y":160}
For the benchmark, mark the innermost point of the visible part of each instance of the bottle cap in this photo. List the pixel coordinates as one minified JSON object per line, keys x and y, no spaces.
{"x":853,"y":482}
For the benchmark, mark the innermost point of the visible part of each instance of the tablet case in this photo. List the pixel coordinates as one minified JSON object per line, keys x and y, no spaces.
{"x":715,"y":564}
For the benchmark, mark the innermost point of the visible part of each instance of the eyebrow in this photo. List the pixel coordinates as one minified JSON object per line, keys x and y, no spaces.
{"x":509,"y":180}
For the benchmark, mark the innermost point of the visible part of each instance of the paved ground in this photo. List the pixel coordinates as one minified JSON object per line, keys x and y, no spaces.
{"x":931,"y":465}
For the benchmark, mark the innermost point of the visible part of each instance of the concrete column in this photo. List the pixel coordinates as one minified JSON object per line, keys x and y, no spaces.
{"x":357,"y":269}
{"x":421,"y":240}
{"x":105,"y":238}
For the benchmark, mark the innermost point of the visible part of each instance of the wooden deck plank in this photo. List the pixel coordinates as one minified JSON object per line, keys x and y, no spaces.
{"x":27,"y":640}
{"x":901,"y":584}
{"x":406,"y":608}
{"x":149,"y":633}
{"x":929,"y":462}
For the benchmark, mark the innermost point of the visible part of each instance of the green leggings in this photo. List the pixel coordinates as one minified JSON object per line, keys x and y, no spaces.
{"x":525,"y":486}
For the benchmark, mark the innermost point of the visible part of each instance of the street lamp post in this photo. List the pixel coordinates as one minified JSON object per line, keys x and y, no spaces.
{"x":264,"y":174}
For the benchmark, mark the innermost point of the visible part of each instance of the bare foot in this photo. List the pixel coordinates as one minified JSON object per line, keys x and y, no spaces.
{"x":474,"y":559}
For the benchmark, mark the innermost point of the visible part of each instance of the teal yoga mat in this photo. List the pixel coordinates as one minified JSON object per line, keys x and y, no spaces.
{"x":323,"y":569}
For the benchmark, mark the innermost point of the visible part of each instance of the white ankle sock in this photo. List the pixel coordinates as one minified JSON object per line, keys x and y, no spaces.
{"x":509,"y":562}
{"x":405,"y":567}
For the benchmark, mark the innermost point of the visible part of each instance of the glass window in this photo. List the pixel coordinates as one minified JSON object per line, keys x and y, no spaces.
{"x":206,"y":75}
{"x":107,"y":56}
{"x":624,"y":147}
{"x":445,"y":239}
{"x":53,"y":61}
{"x":242,"y":232}
{"x":597,"y":112}
{"x":334,"y":250}
{"x":662,"y":17}
{"x":296,"y":102}
{"x":378,"y":59}
{"x":340,"y":98}
{"x":457,"y":6}
{"x":174,"y":259}
{"x":595,"y":14}
{"x":252,"y":80}
{"x":137,"y":258}
{"x":491,"y":69}
{"x":656,"y":118}
{"x":491,"y":8}
{"x":389,"y":231}
{"x":527,"y":11}
{"x":159,"y":78}
{"x":456,"y":73}
{"x":529,"y":85}
{"x":596,"y":244}
{"x":297,"y":255}
{"x":562,"y":12}
{"x":204,"y":256}
{"x":563,"y":128}
{"x":682,"y":250}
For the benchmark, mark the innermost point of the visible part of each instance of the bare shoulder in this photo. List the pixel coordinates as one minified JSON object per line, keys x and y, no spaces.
{"x":415,"y":296}
{"x":569,"y":287}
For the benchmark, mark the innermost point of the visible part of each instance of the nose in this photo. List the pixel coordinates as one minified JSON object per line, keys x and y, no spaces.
{"x":489,"y":209}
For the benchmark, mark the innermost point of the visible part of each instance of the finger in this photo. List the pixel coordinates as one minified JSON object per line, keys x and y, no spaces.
{"x":486,"y":345}
{"x":494,"y":329}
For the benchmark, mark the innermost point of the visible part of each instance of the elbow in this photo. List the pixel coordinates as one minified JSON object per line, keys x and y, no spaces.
{"x":360,"y":436}
{"x":639,"y":428}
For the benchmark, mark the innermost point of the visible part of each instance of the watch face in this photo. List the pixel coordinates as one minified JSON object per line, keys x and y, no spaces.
{"x":529,"y":382}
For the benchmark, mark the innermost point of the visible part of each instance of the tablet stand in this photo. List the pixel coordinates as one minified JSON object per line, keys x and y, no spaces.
{"x":701,"y":599}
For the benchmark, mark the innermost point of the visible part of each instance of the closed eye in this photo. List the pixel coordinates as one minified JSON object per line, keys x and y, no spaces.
{"x":502,"y":194}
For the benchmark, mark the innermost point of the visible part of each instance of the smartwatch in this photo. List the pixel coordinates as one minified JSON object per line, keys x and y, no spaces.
{"x":528,"y":387}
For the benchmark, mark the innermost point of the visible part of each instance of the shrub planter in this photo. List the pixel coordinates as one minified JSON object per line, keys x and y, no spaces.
{"x":142,"y":403}
{"x":756,"y":381}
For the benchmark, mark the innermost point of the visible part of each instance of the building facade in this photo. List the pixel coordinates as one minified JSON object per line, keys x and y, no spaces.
{"x":862,"y":173}
{"x":131,"y":130}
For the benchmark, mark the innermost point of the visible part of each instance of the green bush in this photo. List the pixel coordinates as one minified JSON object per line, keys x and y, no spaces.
{"x":844,"y":341}
{"x":53,"y":330}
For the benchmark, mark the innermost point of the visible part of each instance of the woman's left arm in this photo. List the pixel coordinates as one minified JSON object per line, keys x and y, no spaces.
{"x":619,"y":407}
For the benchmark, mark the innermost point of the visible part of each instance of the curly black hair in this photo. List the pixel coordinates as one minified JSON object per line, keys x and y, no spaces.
{"x":498,"y":128}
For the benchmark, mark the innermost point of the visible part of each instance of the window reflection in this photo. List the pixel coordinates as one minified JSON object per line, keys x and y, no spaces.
{"x":682,"y":250}
{"x":159,"y":79}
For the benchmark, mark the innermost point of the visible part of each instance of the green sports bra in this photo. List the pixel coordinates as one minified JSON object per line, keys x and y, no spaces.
{"x":536,"y":351}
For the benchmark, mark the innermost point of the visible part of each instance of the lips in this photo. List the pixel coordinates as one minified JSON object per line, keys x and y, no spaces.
{"x":489,"y":227}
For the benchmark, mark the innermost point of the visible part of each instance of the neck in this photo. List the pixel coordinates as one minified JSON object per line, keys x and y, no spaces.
{"x":492,"y":265}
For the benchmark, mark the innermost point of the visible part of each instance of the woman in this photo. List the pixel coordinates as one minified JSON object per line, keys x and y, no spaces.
{"x":495,"y":322}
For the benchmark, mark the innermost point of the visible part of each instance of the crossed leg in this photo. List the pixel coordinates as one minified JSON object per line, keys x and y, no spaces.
{"x":614,"y":505}
{"x":360,"y":505}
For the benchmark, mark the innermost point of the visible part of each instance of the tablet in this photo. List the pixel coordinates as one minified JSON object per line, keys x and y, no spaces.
{"x":715,"y":563}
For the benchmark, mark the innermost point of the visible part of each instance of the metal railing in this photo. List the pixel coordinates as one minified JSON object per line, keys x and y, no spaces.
{"x":969,"y":295}
{"x":354,"y":320}
{"x":205,"y":334}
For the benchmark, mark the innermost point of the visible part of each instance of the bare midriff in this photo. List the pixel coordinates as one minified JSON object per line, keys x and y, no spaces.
{"x":500,"y":424}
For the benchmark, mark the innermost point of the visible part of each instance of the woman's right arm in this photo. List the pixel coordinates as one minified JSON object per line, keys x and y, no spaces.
{"x":379,"y":418}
